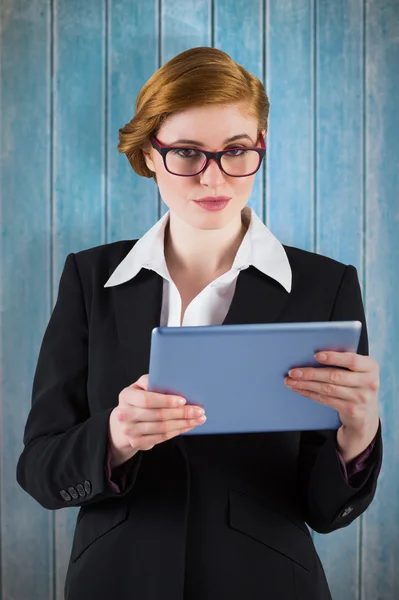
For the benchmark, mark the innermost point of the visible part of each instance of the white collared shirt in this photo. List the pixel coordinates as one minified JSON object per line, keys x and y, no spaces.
{"x":259,"y":248}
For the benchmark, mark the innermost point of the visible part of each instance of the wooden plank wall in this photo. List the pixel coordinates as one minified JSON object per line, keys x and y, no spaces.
{"x":70,"y":73}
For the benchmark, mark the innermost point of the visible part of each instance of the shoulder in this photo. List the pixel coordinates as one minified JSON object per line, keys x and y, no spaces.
{"x":96,"y":264}
{"x":316,"y":271}
{"x":303,"y":259}
{"x":108,"y":253}
{"x":304,"y":263}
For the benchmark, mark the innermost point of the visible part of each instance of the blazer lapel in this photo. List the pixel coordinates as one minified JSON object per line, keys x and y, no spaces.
{"x":138,"y":304}
{"x":257,"y":299}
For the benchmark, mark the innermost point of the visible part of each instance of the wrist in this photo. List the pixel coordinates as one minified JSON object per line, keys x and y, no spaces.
{"x":120,"y":449}
{"x":119,"y":457}
{"x":351,"y":442}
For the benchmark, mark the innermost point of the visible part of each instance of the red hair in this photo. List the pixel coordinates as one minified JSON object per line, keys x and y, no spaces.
{"x":197,"y":77}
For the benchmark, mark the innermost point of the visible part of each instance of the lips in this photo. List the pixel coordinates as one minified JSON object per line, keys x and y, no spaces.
{"x":213,"y":199}
{"x":213,"y":203}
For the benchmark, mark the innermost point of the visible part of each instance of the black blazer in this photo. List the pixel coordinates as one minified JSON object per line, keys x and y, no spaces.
{"x":200,"y":517}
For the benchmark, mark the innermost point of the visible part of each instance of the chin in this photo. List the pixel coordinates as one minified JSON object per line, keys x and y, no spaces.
{"x":214,"y":220}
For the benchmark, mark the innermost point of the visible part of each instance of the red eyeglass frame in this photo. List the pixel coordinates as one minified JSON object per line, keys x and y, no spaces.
{"x":163,"y":151}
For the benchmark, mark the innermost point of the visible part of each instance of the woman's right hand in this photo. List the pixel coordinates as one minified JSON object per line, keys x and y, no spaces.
{"x":143,"y":419}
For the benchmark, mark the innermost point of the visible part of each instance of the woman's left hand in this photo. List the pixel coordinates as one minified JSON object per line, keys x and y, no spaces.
{"x":353,"y":393}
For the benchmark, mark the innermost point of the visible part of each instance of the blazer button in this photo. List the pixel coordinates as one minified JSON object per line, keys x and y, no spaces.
{"x":73,"y":492}
{"x":347,"y":511}
{"x":87,"y":486}
{"x":81,"y":490}
{"x":65,"y":495}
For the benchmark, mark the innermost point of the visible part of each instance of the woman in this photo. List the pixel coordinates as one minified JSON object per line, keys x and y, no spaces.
{"x":208,"y":516}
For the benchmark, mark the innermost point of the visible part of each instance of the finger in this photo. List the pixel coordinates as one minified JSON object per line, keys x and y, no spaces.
{"x":146,"y":442}
{"x":161,"y":427}
{"x":143,"y":399}
{"x":324,"y":391}
{"x":330,"y":390}
{"x":347,"y":410}
{"x":332,"y":375}
{"x":349,"y":360}
{"x":138,"y":414}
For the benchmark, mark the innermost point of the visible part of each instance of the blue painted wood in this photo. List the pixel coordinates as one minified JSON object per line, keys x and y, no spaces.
{"x":380,"y":541}
{"x":290,"y":156}
{"x":230,"y":26}
{"x":133,"y":58}
{"x":98,"y":198}
{"x":79,"y":162}
{"x":184,"y":24}
{"x":339,"y":130}
{"x":26,"y":533}
{"x":339,"y":204}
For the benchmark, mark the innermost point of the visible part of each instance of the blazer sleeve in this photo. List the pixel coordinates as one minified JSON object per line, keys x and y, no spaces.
{"x":329,"y":500}
{"x":63,"y":462}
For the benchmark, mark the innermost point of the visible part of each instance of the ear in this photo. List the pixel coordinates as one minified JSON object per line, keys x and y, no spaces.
{"x":148,"y":160}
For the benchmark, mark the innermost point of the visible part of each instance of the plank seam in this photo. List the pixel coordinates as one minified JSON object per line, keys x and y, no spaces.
{"x":212,"y":22}
{"x":363,"y":249}
{"x":313,"y":92}
{"x":266,"y":29}
{"x":314,"y":46}
{"x":53,"y":536}
{"x":105,"y":236}
{"x":1,"y":324}
{"x":159,"y":49}
{"x":264,"y":49}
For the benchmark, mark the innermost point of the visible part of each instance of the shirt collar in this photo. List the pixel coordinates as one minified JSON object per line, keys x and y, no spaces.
{"x":259,"y":248}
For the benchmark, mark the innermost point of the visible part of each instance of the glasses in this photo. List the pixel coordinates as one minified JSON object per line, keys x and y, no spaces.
{"x":187,"y":162}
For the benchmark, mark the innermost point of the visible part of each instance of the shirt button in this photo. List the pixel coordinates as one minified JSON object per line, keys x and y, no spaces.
{"x":65,"y":495}
{"x":87,"y":486}
{"x":81,"y":490}
{"x":347,"y":511}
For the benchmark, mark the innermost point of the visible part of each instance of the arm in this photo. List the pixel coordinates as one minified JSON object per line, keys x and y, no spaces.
{"x":65,"y":447}
{"x":357,"y":465}
{"x":330,"y":501}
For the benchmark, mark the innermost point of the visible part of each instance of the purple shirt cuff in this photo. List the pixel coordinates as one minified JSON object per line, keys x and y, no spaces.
{"x":356,"y":465}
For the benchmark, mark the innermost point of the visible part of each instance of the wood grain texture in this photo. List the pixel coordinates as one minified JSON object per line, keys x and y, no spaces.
{"x":70,"y":74}
{"x":184,"y":24}
{"x":79,"y":143}
{"x":290,"y":158}
{"x":339,"y":203}
{"x":26,"y":528}
{"x":380,"y":541}
{"x":239,"y":32}
{"x":132,"y":59}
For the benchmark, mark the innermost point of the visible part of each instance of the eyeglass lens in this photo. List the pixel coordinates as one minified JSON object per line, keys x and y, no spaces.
{"x":187,"y":161}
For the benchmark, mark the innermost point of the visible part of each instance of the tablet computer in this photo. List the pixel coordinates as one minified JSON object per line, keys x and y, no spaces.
{"x":236,"y":372}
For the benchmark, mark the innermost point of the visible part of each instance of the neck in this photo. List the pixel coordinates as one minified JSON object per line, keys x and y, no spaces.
{"x":202,"y":253}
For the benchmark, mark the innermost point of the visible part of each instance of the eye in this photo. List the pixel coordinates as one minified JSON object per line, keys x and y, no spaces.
{"x":236,"y":152}
{"x":185,"y":152}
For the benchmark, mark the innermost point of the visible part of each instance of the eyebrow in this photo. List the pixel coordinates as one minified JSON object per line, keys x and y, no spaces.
{"x":201,"y":144}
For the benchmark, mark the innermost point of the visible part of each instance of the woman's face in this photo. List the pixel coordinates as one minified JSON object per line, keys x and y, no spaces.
{"x":207,"y":128}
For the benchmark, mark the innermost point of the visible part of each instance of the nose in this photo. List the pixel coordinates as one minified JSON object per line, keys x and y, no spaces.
{"x":213,"y":176}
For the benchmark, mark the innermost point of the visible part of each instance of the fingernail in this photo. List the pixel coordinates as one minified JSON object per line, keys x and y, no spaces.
{"x":180,"y":401}
{"x":295,"y":373}
{"x":321,"y":356}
